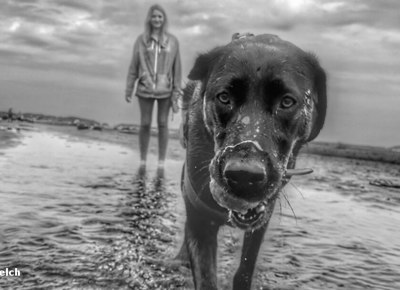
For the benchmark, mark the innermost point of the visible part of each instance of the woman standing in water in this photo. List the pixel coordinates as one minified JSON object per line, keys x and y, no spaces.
{"x":155,"y":75}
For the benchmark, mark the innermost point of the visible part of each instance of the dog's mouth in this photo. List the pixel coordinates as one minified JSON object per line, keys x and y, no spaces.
{"x":250,"y":218}
{"x":246,"y":182}
{"x":246,"y":214}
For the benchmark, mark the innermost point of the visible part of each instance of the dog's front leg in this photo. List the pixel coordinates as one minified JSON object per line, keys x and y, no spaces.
{"x":201,"y":243}
{"x":251,"y":246}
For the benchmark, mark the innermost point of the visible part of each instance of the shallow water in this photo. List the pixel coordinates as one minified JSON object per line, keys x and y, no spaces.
{"x":64,"y":213}
{"x":71,"y":218}
{"x":334,"y":242}
{"x":331,"y":230}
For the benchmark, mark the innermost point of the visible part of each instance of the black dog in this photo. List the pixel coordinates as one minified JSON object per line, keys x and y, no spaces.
{"x":251,"y":105}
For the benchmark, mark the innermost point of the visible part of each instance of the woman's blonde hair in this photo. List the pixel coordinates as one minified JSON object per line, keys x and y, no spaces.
{"x":147,"y":24}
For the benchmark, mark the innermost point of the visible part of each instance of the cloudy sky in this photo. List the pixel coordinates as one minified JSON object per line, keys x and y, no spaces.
{"x":70,"y":57}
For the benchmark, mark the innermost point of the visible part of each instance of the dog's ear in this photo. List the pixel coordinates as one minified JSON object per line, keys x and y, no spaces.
{"x":204,"y":63}
{"x":319,"y":97}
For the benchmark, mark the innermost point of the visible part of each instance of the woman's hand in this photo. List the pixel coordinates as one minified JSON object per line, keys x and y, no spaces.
{"x":175,"y":107}
{"x":175,"y":101}
{"x":128,"y":98}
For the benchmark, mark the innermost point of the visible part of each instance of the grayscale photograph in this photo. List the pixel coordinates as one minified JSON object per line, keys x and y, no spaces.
{"x":200,"y":145}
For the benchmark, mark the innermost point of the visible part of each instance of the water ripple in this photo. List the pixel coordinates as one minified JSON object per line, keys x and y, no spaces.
{"x":73,"y":217}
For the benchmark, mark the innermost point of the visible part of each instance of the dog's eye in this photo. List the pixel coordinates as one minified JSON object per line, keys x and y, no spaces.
{"x":287,"y":102}
{"x":223,"y":98}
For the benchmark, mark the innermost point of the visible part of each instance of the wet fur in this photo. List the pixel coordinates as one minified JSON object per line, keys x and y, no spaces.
{"x":207,"y":134}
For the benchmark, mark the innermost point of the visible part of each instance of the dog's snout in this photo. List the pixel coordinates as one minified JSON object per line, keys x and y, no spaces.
{"x":244,"y":172}
{"x":244,"y":176}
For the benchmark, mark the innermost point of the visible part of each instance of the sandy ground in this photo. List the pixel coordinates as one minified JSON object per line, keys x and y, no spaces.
{"x":330,"y":230}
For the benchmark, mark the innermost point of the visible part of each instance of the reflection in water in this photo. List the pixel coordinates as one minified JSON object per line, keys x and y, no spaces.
{"x":75,"y":214}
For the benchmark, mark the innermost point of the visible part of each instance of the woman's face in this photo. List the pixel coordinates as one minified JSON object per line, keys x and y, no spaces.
{"x":157,"y":19}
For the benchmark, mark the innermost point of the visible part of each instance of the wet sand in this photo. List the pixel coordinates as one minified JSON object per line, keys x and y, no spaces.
{"x":9,"y":137}
{"x":73,"y":216}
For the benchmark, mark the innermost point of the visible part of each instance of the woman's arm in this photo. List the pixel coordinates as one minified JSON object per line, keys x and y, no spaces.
{"x":177,"y":69}
{"x":177,"y":75}
{"x":132,"y":72}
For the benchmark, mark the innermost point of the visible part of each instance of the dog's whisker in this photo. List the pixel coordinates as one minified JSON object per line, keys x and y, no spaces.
{"x":202,"y":164}
{"x":280,"y":208}
{"x":200,"y":172}
{"x":204,"y":161}
{"x":297,"y":189}
{"x":291,"y":208}
{"x":205,"y":167}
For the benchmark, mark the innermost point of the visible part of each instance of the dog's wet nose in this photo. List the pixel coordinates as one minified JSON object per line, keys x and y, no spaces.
{"x":244,"y":177}
{"x":244,"y":172}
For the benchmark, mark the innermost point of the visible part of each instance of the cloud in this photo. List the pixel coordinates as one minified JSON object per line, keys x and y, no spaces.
{"x":357,"y":41}
{"x":76,"y":5}
{"x":81,"y":26}
{"x":100,"y":31}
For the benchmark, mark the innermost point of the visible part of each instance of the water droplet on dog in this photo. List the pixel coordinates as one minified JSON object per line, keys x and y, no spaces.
{"x":246,"y":120}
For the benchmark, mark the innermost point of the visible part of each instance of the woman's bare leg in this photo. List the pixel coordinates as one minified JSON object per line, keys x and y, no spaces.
{"x":163,"y":133}
{"x":146,"y":111}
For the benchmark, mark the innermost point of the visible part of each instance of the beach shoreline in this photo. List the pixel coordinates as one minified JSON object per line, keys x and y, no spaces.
{"x":122,"y":134}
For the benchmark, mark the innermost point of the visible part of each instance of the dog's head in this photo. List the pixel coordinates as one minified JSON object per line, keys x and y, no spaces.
{"x":263,"y":98}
